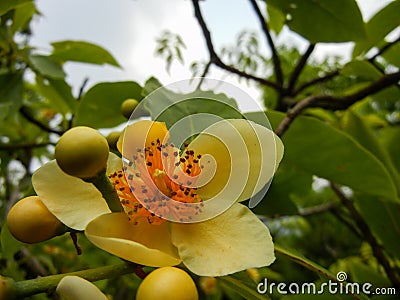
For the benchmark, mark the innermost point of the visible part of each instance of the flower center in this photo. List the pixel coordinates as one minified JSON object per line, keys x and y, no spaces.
{"x":153,"y":178}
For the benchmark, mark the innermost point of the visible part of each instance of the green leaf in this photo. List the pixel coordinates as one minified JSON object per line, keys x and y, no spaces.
{"x":378,"y":27}
{"x":301,"y":260}
{"x":361,"y":69}
{"x":383,"y":218}
{"x":9,"y":245}
{"x":22,"y":15}
{"x":322,"y":20}
{"x":170,"y":107}
{"x":11,"y":88}
{"x":7,"y":5}
{"x":81,"y":51}
{"x":46,"y":66}
{"x":240,"y":288}
{"x":392,"y":55}
{"x":320,"y":149}
{"x":288,"y":182}
{"x":276,"y":19}
{"x":58,"y":93}
{"x":355,"y":126}
{"x":361,"y":272}
{"x":390,"y":137}
{"x":100,"y":107}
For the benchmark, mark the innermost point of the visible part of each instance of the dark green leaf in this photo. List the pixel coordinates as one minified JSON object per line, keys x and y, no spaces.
{"x":81,"y":51}
{"x":288,"y":182}
{"x":390,"y":138}
{"x":361,"y":272}
{"x":11,"y":88}
{"x":378,"y":27}
{"x":58,"y":93}
{"x":239,"y":287}
{"x":392,"y":55}
{"x":355,"y":126}
{"x":383,"y":218}
{"x":322,"y":20}
{"x":7,"y":5}
{"x":46,"y":66}
{"x":100,"y":107}
{"x":320,"y":149}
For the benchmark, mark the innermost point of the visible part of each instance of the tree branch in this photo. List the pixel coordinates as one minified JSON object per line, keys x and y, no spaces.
{"x":27,"y":115}
{"x":275,"y":57}
{"x":298,"y":68}
{"x":216,"y":60}
{"x":336,"y":103}
{"x":368,"y":236}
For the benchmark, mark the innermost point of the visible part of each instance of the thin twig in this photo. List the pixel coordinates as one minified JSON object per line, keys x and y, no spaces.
{"x":336,"y":103}
{"x":385,"y":48}
{"x":368,"y":236}
{"x":205,"y":72}
{"x":298,"y":68}
{"x":275,"y":57}
{"x":326,"y":77}
{"x":27,"y":115}
{"x":318,"y":209}
{"x":8,"y":147}
{"x":216,"y":60}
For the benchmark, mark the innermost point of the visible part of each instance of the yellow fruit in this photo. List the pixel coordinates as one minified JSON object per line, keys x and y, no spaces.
{"x":82,"y":152}
{"x":112,"y":139}
{"x":128,"y":106}
{"x":167,"y":283}
{"x":30,"y":221}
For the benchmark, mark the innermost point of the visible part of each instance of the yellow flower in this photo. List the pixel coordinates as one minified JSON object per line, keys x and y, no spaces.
{"x":178,"y":208}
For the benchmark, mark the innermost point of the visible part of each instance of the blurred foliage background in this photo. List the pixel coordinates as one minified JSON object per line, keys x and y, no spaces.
{"x":334,"y":204}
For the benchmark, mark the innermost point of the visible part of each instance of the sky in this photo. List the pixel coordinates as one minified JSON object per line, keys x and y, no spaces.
{"x":128,"y":29}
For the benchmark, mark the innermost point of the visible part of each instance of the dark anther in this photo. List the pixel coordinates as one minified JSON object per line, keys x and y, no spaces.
{"x":149,"y":163}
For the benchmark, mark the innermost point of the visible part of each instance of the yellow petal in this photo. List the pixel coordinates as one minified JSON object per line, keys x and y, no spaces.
{"x":235,"y":240}
{"x":247,"y":155}
{"x":77,"y":288}
{"x":143,"y":243}
{"x":140,"y":134}
{"x":73,"y":201}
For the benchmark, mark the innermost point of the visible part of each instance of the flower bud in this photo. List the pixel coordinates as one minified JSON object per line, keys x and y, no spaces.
{"x":112,"y":139}
{"x":82,"y":152}
{"x":29,"y":221}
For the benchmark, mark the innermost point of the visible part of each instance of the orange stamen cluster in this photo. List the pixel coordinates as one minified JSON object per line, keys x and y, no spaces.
{"x":156,"y":176}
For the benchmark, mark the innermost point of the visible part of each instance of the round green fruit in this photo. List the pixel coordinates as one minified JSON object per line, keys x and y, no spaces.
{"x":29,"y":221}
{"x":128,"y":106}
{"x":82,"y":152}
{"x":167,"y":283}
{"x":112,"y":139}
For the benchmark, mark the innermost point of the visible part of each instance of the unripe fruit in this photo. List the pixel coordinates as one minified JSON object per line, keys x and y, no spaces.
{"x":128,"y":106}
{"x":29,"y":221}
{"x":167,"y":283}
{"x":82,"y":152}
{"x":112,"y":139}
